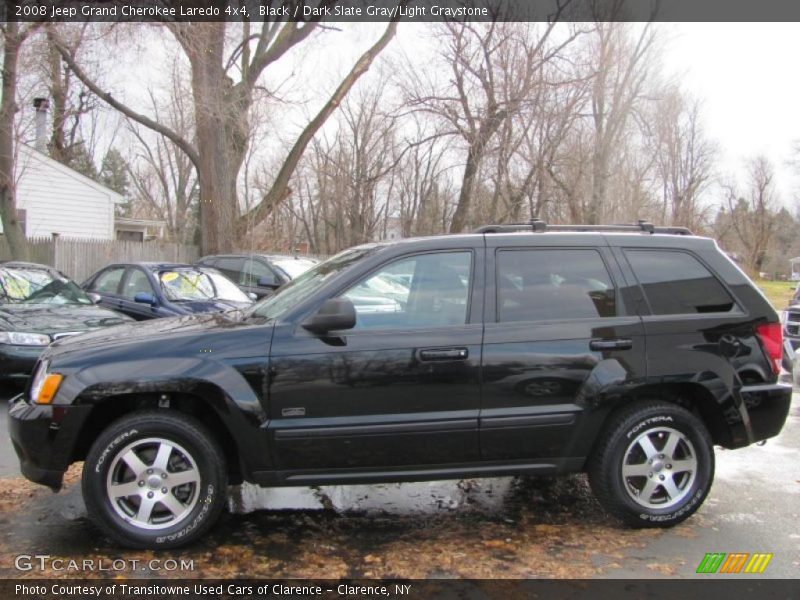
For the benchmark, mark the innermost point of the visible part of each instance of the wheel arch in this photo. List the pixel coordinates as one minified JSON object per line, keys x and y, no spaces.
{"x":692,"y":396}
{"x":112,"y":407}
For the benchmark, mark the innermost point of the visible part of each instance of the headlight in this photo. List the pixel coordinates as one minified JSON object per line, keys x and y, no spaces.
{"x":21,"y":338}
{"x":44,"y":385}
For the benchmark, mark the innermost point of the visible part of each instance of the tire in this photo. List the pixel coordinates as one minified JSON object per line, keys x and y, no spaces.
{"x":170,"y":487}
{"x":661,"y":493}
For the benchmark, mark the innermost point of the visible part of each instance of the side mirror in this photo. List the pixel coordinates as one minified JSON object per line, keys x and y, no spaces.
{"x":95,"y":298}
{"x":252,"y":296}
{"x":145,"y":298}
{"x":334,"y":314}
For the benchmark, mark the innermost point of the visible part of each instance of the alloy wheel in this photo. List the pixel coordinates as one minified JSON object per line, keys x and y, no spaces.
{"x":659,"y":468}
{"x":153,"y":483}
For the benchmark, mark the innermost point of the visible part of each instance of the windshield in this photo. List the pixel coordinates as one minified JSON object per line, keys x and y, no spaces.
{"x":185,"y":285}
{"x":294,"y":267}
{"x":37,"y":286}
{"x":306,"y":284}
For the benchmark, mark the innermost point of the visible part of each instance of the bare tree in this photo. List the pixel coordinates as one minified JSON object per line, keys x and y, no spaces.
{"x":14,"y":37}
{"x":164,"y":179}
{"x":423,"y":198}
{"x":492,"y":69}
{"x":684,"y":157}
{"x":348,"y":183}
{"x":751,"y":213}
{"x":623,"y":67}
{"x":221,"y":106}
{"x":534,"y":142}
{"x":71,"y":105}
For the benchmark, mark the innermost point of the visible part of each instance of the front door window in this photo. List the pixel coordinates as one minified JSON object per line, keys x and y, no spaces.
{"x":426,"y":290}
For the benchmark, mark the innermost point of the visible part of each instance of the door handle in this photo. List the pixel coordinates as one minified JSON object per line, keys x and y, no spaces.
{"x":443,"y":354}
{"x":618,"y":344}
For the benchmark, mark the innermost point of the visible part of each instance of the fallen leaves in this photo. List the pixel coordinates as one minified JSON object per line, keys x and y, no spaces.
{"x":545,"y":528}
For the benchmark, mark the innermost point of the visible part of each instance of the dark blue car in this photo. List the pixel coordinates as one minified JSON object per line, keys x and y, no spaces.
{"x":152,"y":290}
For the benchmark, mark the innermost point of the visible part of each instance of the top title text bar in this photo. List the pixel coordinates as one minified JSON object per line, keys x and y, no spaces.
{"x":402,"y":10}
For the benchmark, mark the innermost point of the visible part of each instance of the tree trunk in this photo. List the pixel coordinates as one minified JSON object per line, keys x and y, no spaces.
{"x":599,"y":186}
{"x":221,"y":142}
{"x":58,"y":144}
{"x":465,"y":194}
{"x":8,"y":108}
{"x":477,"y":149}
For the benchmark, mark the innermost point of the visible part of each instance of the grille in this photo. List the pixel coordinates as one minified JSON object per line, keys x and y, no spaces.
{"x":791,"y":325}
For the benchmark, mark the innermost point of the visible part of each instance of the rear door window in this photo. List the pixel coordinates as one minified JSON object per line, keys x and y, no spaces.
{"x":254,"y":272}
{"x":676,"y":283}
{"x":231,"y":267}
{"x":546,"y":285}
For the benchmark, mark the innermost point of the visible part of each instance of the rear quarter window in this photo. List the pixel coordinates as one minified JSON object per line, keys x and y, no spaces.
{"x":677,"y":283}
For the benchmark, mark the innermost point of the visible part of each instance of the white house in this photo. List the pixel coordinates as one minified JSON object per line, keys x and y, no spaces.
{"x":57,"y":199}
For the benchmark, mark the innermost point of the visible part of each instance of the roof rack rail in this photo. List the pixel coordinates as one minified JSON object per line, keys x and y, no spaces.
{"x":536,"y":225}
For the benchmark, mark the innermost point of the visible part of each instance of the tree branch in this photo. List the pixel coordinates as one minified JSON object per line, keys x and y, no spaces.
{"x":178,"y":140}
{"x":280,"y":188}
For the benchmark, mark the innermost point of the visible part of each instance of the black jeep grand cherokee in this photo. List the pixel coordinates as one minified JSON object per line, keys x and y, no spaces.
{"x":626,"y":352}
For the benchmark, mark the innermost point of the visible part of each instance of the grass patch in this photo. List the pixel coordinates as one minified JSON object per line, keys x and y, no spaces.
{"x":779,"y":293}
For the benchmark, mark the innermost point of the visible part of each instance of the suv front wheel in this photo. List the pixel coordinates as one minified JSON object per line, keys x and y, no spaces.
{"x":154,"y":479}
{"x":653,"y":465}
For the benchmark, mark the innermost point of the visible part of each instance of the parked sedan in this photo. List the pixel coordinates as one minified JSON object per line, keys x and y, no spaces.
{"x":153,"y":290}
{"x":259,"y":274}
{"x":39,"y":304}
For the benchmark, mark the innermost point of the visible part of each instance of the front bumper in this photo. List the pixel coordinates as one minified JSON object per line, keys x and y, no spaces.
{"x":767,"y":408}
{"x":17,"y":362}
{"x":44,"y":438}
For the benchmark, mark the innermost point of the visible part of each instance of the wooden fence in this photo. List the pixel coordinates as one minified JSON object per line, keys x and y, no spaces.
{"x":80,"y":258}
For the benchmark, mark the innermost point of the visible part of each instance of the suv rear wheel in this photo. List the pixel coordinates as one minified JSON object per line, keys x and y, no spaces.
{"x":653,"y":465}
{"x":154,"y":480}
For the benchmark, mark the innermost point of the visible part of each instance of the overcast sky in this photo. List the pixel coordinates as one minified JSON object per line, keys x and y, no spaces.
{"x":746,"y":74}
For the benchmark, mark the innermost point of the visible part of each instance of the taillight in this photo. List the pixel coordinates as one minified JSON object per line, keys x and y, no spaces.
{"x":771,"y":336}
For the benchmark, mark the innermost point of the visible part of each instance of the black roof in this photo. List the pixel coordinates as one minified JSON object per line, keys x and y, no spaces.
{"x":539,"y":226}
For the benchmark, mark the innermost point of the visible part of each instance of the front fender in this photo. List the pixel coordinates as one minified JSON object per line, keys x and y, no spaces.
{"x":217,"y":382}
{"x":220,"y":386}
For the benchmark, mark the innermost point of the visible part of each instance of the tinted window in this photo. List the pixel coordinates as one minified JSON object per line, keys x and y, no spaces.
{"x":232,"y":267}
{"x":254,"y":271}
{"x":677,"y":283}
{"x":543,"y":285}
{"x":298,"y":290}
{"x":108,"y":281}
{"x":137,"y":282}
{"x":429,"y":290}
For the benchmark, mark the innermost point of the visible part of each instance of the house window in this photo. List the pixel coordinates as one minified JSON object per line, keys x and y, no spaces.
{"x":130,"y":236}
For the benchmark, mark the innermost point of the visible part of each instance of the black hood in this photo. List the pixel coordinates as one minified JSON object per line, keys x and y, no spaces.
{"x":57,"y":318}
{"x":162,"y":332}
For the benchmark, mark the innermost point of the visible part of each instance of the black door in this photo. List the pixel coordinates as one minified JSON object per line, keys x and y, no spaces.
{"x":558,"y":337}
{"x":401,"y":389}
